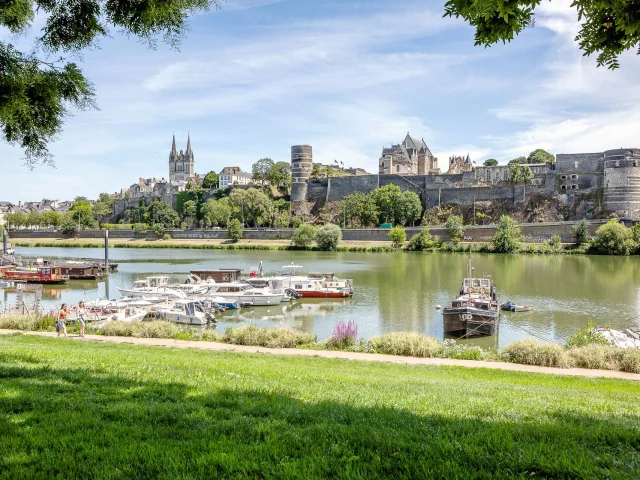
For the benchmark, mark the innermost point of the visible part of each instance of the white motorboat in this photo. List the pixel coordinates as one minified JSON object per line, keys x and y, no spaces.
{"x":244,"y":293}
{"x":313,"y":285}
{"x":185,"y":311}
{"x":153,"y":286}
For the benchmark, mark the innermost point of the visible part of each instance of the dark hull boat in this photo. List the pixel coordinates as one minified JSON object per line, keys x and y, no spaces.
{"x":475,"y":312}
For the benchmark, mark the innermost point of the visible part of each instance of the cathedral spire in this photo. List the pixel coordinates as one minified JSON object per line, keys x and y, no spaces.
{"x":173,"y":146}
{"x":188,"y":143}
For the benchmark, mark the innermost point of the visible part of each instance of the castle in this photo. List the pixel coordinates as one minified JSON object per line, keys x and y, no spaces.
{"x":181,"y":165}
{"x":412,"y":156}
{"x":589,"y":183}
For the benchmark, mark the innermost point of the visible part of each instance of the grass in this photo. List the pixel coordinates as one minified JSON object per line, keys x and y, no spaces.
{"x":105,"y":411}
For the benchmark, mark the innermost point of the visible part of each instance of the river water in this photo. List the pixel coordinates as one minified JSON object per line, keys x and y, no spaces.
{"x":393,"y":292}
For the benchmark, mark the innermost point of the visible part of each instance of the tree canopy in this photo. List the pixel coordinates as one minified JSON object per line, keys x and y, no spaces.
{"x":491,"y":162}
{"x":262,"y":169}
{"x":36,"y":93}
{"x":541,"y":156}
{"x":210,"y":180}
{"x":608,"y":28}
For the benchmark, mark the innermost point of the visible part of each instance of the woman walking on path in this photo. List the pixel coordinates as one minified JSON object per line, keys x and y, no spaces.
{"x":81,"y":313}
{"x":61,"y":323}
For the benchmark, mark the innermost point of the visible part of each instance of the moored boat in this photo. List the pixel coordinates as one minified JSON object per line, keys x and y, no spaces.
{"x":512,"y":307}
{"x":152,"y":286}
{"x":474,"y":312}
{"x":51,"y":275}
{"x":185,"y":311}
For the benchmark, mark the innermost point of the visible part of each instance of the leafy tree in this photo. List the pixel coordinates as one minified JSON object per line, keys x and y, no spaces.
{"x":587,"y":336}
{"x":44,"y":92}
{"x":16,"y":220}
{"x":282,"y":220}
{"x":196,"y":195}
{"x":190,"y":211}
{"x":541,"y":156}
{"x":210,"y":180}
{"x":234,"y":230}
{"x":82,"y":213}
{"x":280,"y":175}
{"x":51,"y":219}
{"x":162,"y":213}
{"x":304,"y":235}
{"x":480,"y":216}
{"x":395,"y":206}
{"x":518,"y":161}
{"x":252,"y":204}
{"x":216,"y":212}
{"x":398,"y":235}
{"x":581,"y":232}
{"x":455,"y":228}
{"x":526,"y":175}
{"x":328,"y":237}
{"x":608,"y":28}
{"x":68,"y":226}
{"x":555,"y":241}
{"x":507,"y":237}
{"x":103,"y":207}
{"x":34,"y":219}
{"x":262,"y":169}
{"x":142,"y":212}
{"x":491,"y":162}
{"x":409,"y":209}
{"x":613,"y":238}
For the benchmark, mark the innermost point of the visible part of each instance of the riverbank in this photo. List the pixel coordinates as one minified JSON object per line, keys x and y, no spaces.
{"x":605,"y":358}
{"x":154,"y":412}
{"x":248,"y":244}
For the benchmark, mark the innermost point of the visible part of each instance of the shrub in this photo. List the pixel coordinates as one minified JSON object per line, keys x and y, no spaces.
{"x":613,"y":238}
{"x":530,"y":352}
{"x":344,"y":335}
{"x":422,"y":241}
{"x":508,"y":236}
{"x":628,"y":359}
{"x":451,"y":349}
{"x":555,"y":241}
{"x":30,"y":323}
{"x":166,"y":236}
{"x":68,"y":227}
{"x":581,"y":232}
{"x":455,"y":228}
{"x":267,"y":337}
{"x":234,"y":230}
{"x":587,"y":336}
{"x":157,"y":229}
{"x":139,"y":229}
{"x":594,"y":356}
{"x":295,"y":222}
{"x":154,"y":329}
{"x":328,"y":237}
{"x":304,"y":235}
{"x":398,"y":235}
{"x":406,"y":344}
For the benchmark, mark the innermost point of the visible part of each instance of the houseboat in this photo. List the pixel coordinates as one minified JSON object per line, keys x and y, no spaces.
{"x":219,"y":275}
{"x":44,"y":275}
{"x":475,"y":312}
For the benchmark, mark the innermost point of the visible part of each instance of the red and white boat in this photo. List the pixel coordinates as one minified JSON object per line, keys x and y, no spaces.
{"x":317,"y":285}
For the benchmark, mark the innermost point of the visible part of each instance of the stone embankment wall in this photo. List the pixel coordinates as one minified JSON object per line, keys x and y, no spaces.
{"x":533,"y":232}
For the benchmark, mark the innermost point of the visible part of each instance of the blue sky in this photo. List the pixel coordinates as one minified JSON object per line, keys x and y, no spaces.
{"x":346,"y":77}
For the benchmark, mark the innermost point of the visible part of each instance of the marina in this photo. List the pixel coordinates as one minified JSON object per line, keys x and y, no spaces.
{"x":392,"y":292}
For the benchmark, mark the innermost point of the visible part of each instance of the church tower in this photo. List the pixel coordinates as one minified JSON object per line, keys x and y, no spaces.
{"x":182,"y":164}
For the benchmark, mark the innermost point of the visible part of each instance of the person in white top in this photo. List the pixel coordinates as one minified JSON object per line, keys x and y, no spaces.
{"x":82,"y":311}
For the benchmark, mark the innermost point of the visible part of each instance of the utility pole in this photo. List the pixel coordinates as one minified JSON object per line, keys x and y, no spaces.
{"x":474,"y":211}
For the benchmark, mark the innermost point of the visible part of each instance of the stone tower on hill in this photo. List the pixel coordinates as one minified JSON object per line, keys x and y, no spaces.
{"x":181,"y":165}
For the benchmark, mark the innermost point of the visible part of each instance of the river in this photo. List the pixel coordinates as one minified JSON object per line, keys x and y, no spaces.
{"x":394,"y":292}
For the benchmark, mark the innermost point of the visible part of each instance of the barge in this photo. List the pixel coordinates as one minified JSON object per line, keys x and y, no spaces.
{"x":475,"y":312}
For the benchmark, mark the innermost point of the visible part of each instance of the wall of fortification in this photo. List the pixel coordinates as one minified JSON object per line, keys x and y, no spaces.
{"x":622,"y":181}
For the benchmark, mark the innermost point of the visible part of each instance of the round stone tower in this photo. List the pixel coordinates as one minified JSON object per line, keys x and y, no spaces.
{"x":622,"y":182}
{"x":301,"y":166}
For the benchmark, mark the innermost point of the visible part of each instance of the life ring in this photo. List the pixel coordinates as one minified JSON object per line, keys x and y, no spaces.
{"x":470,"y":290}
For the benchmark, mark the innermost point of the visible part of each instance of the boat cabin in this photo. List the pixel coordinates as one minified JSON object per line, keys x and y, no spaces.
{"x":219,"y":276}
{"x":477,"y":285}
{"x":49,"y":274}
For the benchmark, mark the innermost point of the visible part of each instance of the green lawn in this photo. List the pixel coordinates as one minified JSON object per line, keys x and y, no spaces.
{"x":71,"y":409}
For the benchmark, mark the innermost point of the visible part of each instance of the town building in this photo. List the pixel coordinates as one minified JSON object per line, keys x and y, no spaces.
{"x":460,"y":164}
{"x":411,"y":157}
{"x":234,"y":176}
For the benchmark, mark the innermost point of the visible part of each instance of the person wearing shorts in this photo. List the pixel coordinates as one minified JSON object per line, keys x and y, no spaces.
{"x":61,"y":325}
{"x":82,"y":311}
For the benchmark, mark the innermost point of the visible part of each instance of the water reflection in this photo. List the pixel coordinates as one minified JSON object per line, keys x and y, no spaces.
{"x":397,"y":292}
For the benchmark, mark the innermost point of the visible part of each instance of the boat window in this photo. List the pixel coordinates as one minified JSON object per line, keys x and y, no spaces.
{"x":298,"y":287}
{"x":476,"y":283}
{"x":189,"y":309}
{"x":485,"y":283}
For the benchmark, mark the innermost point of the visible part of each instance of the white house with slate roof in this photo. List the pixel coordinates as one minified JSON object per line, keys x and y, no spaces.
{"x":411,"y":157}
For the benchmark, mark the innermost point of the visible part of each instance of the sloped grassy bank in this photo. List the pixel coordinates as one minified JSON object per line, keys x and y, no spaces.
{"x":92,"y":410}
{"x":586,"y":350}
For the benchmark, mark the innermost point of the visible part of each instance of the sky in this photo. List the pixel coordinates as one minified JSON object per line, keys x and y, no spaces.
{"x":345,"y":76}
